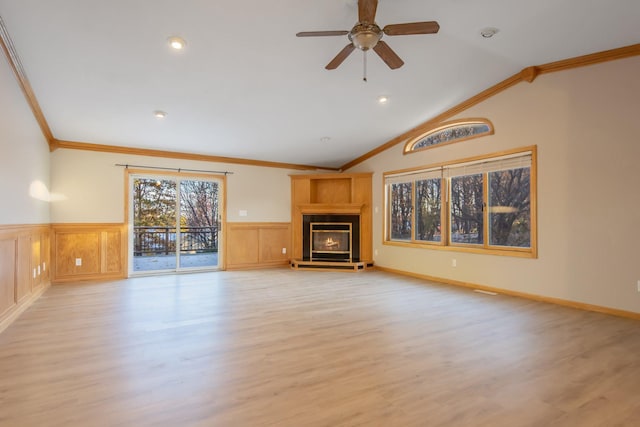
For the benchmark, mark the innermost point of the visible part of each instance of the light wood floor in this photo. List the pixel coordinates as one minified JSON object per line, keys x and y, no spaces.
{"x":295,"y":348}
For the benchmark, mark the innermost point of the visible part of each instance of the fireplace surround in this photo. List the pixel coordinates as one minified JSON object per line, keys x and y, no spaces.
{"x":334,"y":212}
{"x":331,"y":238}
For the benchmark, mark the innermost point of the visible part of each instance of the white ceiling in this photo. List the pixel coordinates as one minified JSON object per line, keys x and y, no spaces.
{"x":247,"y":87}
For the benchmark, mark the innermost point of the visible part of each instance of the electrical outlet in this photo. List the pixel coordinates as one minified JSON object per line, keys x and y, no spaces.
{"x":242,"y":212}
{"x":454,"y":263}
{"x":78,"y":262}
{"x":284,"y":250}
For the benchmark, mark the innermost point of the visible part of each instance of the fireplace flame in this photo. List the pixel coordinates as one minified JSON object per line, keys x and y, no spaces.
{"x":329,"y":243}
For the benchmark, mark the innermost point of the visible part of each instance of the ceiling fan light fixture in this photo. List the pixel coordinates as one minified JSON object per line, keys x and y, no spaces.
{"x":177,"y":43}
{"x":365,"y":36}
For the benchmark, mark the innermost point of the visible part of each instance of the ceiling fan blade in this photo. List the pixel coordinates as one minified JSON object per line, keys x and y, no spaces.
{"x":335,"y":62}
{"x":430,"y":27}
{"x":367,"y":11}
{"x":388,"y":55}
{"x":322,"y":33}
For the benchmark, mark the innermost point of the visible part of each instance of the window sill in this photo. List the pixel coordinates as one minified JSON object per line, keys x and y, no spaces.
{"x":518,"y":253}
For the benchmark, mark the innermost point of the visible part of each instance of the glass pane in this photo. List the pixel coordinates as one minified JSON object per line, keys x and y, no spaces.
{"x":510,"y":208}
{"x":466,"y":209}
{"x":452,"y":133}
{"x":154,"y":224}
{"x":428,"y":208}
{"x":330,"y":241}
{"x":199,"y":224}
{"x":401,"y":208}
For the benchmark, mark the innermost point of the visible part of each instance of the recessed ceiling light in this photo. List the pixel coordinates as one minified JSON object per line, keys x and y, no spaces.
{"x":325,"y":139}
{"x":159,"y":114}
{"x":382,"y":99}
{"x":489,"y":32}
{"x":177,"y":43}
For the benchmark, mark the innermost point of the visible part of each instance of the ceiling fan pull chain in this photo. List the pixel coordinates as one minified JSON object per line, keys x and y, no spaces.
{"x":364,"y":78}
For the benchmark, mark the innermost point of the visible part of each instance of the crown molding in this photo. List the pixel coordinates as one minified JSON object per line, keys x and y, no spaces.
{"x":74,"y":145}
{"x":54,"y":143}
{"x":528,"y":74}
{"x":14,"y":61}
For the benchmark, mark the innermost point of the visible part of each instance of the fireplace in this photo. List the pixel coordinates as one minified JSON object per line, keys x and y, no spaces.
{"x":331,"y":238}
{"x":331,"y":221}
{"x":331,"y":241}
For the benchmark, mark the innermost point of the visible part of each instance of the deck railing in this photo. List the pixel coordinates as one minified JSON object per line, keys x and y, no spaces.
{"x":162,"y":240}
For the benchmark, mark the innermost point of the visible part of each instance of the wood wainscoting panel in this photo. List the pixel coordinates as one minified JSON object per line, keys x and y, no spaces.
{"x":242,"y":246}
{"x":257,"y":244}
{"x":75,"y":248}
{"x":112,"y":248}
{"x":272,"y":241}
{"x":23,"y":268}
{"x":45,"y":256}
{"x":100,"y":249}
{"x":7,"y":275}
{"x":36,"y":268}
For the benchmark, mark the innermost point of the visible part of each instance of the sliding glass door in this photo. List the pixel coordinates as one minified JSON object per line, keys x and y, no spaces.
{"x":175,"y":223}
{"x":199,"y":224}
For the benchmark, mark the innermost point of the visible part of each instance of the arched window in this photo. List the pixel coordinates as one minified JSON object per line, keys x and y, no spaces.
{"x":446,"y":133}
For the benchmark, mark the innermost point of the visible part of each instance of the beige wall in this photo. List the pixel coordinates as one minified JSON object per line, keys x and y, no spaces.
{"x":24,"y":156}
{"x":95,"y":189}
{"x":586,"y":124}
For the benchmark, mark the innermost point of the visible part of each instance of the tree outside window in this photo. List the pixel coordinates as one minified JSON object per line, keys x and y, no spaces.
{"x":489,"y":204}
{"x":401,"y":201}
{"x":428,"y":210}
{"x":466,"y":209}
{"x":510,"y":207}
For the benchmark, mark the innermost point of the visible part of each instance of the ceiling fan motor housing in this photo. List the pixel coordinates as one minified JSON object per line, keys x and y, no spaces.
{"x":365,"y":36}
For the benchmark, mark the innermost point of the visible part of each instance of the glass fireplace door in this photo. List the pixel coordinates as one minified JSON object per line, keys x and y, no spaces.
{"x":331,"y":241}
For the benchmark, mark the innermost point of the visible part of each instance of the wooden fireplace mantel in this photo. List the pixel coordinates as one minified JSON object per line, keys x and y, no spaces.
{"x":334,"y":193}
{"x":330,"y":208}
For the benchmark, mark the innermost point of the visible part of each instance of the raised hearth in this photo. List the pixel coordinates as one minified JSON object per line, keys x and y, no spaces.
{"x":330,"y":265}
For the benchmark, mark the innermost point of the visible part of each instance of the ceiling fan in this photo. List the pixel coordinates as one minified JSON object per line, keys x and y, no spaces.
{"x":366,"y":34}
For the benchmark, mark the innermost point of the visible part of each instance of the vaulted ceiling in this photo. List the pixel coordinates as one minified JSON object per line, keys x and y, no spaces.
{"x":245,"y":86}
